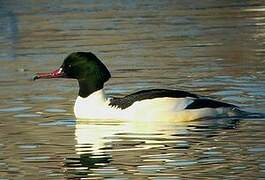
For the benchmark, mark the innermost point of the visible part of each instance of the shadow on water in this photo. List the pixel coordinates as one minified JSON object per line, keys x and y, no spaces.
{"x":82,"y":165}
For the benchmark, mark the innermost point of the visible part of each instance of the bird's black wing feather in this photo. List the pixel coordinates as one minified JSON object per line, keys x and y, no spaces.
{"x":128,"y":100}
{"x":208,"y":103}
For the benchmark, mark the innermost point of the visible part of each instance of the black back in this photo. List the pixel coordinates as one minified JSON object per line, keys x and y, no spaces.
{"x":128,"y":100}
{"x":208,"y":103}
{"x":198,"y":102}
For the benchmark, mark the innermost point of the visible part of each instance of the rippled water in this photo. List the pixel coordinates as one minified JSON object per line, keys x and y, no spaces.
{"x":213,"y":48}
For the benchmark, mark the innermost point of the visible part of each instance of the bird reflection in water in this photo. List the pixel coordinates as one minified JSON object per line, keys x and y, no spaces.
{"x":106,"y":146}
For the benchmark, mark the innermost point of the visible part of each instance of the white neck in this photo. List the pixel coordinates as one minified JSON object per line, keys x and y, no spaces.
{"x":95,"y":106}
{"x":95,"y":97}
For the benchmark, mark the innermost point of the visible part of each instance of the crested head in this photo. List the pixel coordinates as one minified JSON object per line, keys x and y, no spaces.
{"x":85,"y":66}
{"x":90,"y":72}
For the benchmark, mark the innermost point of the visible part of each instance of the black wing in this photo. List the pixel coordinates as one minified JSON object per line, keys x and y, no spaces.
{"x":208,"y":103}
{"x":128,"y":100}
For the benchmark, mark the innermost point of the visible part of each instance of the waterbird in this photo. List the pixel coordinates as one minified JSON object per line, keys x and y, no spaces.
{"x":152,"y":104}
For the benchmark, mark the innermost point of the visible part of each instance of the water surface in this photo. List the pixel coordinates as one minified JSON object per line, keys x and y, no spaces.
{"x":213,"y":48}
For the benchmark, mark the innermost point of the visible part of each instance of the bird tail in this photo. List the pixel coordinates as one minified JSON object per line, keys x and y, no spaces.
{"x":246,"y":114}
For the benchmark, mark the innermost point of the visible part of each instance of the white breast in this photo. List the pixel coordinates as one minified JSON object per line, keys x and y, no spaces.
{"x":95,"y":106}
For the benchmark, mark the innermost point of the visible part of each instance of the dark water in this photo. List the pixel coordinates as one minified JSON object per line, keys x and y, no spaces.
{"x":213,"y":48}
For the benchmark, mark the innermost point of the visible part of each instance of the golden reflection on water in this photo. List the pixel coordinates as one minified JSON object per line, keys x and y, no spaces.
{"x":96,"y":133}
{"x":159,"y":148}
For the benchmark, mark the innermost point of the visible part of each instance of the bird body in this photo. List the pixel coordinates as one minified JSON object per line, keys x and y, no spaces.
{"x":98,"y":106}
{"x":154,"y":104}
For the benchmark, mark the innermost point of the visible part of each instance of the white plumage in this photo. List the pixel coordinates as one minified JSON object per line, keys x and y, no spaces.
{"x":96,"y":106}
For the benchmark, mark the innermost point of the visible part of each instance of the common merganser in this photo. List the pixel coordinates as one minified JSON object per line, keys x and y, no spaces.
{"x":154,"y":104}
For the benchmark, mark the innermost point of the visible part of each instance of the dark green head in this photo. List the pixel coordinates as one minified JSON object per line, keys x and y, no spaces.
{"x":85,"y":66}
{"x":90,"y":72}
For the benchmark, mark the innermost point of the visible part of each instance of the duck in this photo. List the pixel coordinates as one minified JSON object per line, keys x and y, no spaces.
{"x":92,"y":103}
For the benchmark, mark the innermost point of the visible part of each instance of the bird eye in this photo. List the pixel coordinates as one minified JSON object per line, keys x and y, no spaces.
{"x":70,"y":65}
